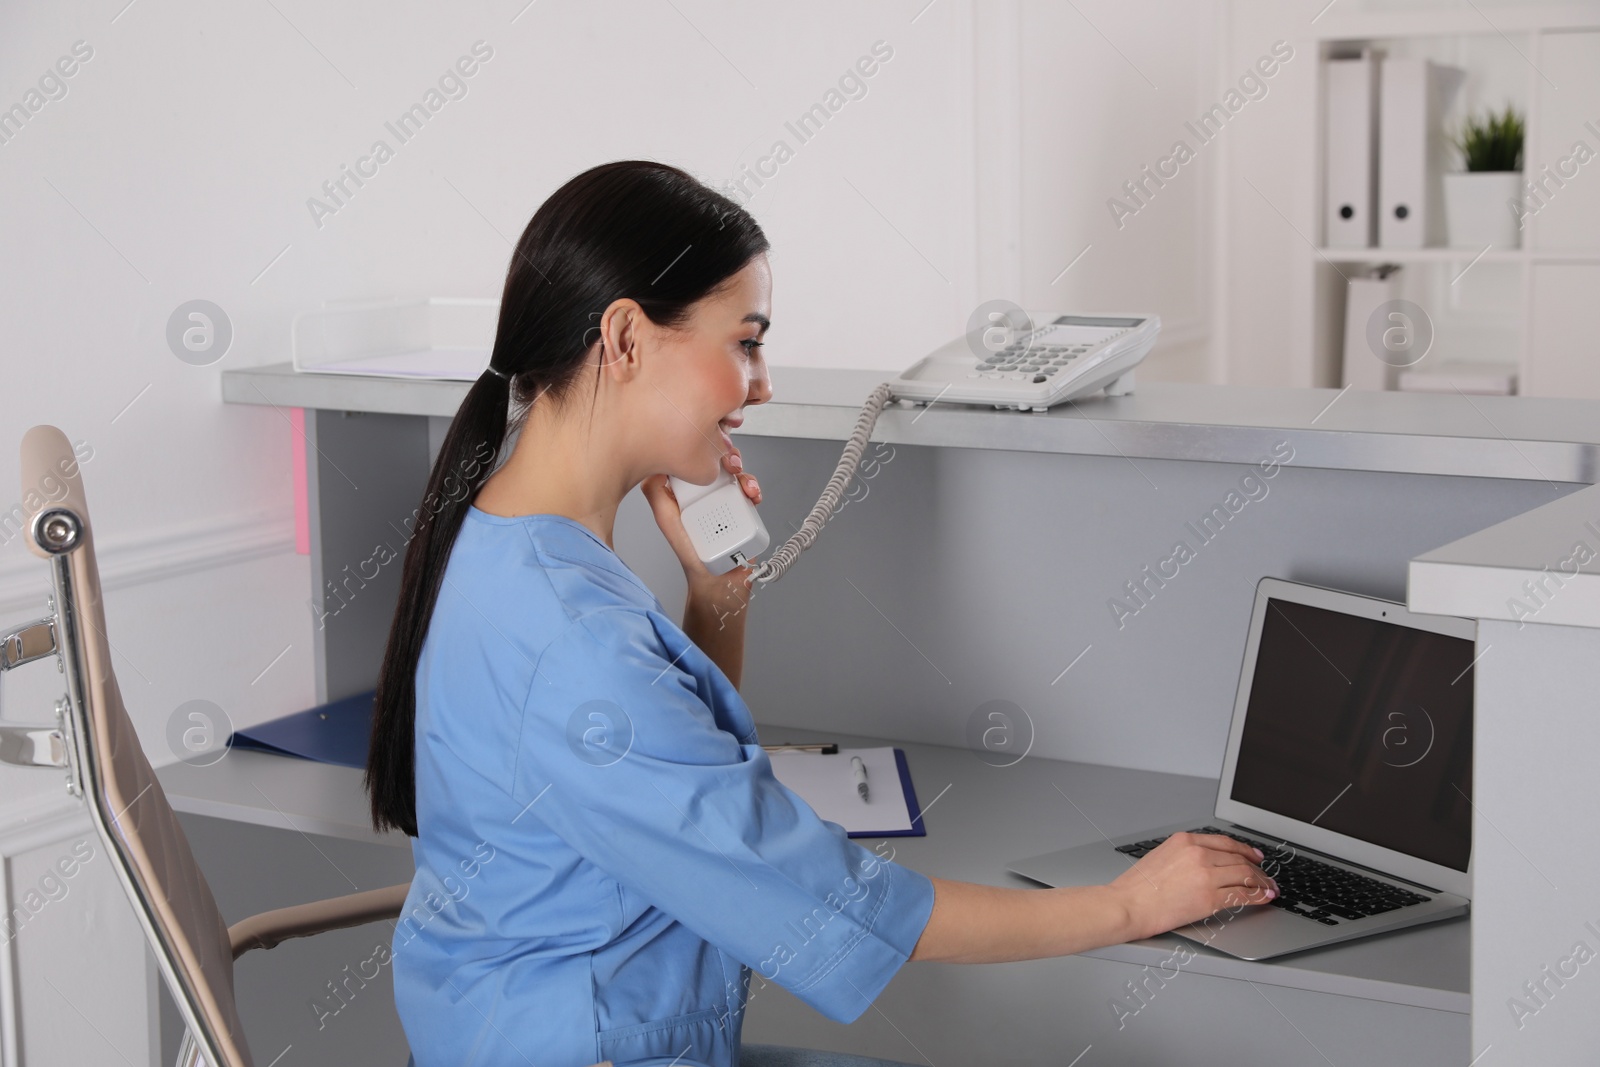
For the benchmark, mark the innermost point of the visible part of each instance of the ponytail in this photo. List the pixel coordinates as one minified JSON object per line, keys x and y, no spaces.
{"x":465,"y":460}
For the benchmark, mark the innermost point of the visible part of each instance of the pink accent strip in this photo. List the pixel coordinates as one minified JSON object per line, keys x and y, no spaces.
{"x":302,"y":495}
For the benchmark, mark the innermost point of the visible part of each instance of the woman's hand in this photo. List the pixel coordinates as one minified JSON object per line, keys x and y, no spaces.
{"x":1189,"y":877}
{"x":702,"y":583}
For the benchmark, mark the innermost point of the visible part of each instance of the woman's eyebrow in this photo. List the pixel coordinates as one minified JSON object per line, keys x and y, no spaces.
{"x":755,"y":316}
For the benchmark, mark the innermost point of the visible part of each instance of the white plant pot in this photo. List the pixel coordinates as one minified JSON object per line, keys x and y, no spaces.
{"x":1483,"y":208}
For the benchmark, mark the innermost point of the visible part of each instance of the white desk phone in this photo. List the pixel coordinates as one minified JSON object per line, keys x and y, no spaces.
{"x":1007,"y":362}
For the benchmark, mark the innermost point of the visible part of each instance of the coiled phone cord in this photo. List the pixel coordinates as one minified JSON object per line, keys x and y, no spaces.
{"x":772,"y":568}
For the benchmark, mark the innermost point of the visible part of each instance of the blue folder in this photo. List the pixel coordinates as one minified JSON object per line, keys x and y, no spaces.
{"x":332,"y":733}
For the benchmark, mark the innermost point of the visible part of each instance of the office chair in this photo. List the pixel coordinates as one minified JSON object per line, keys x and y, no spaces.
{"x":93,"y":740}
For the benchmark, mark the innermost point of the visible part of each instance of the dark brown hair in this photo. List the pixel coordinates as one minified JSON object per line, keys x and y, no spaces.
{"x":634,"y":228}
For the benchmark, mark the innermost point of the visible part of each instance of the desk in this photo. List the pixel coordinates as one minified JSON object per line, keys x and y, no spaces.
{"x":978,"y":816}
{"x":1533,"y":582}
{"x":984,"y":564}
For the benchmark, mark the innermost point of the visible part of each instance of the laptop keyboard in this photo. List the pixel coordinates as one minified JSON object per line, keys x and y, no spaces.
{"x":1309,"y":888}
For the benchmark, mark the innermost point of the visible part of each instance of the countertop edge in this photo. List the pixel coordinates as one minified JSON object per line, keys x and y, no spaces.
{"x":1447,"y":435}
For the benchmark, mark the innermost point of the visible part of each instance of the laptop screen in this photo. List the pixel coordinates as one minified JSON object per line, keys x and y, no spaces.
{"x":1362,"y":727}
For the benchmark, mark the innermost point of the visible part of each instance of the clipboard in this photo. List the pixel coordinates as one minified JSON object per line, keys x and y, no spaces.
{"x":825,"y":783}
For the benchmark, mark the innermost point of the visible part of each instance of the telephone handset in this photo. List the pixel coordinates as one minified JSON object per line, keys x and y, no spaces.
{"x":722,"y":522}
{"x":1014,"y":364}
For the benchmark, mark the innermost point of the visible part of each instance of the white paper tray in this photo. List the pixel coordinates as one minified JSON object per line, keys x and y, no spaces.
{"x":439,"y":338}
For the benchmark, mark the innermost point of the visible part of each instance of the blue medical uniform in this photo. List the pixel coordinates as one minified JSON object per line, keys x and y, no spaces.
{"x":603,"y":851}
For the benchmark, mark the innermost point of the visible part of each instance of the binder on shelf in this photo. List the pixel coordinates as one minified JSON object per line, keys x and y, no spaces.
{"x":1350,"y":152}
{"x":1363,"y":367}
{"x":825,"y":782}
{"x":1414,"y":150}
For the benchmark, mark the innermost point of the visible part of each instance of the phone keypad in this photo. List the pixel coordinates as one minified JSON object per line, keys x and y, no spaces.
{"x":1019,"y":362}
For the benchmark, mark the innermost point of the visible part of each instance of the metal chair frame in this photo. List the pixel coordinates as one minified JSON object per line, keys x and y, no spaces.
{"x":60,"y":533}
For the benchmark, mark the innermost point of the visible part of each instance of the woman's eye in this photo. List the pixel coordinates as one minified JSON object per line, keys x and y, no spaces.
{"x":750,"y":346}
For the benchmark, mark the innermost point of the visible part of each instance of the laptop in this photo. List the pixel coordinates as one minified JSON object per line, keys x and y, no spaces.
{"x":1349,"y":764}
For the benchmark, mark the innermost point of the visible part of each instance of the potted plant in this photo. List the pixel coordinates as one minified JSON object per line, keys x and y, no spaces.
{"x":1483,"y":204}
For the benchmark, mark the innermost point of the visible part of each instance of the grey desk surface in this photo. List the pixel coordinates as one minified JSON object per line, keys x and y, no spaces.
{"x":978,"y":817}
{"x":1536,"y":438}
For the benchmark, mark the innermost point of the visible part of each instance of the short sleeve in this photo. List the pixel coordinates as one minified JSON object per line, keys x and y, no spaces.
{"x":631,"y":770}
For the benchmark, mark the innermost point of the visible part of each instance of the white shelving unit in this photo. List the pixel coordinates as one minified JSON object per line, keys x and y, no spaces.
{"x":1532,"y":308}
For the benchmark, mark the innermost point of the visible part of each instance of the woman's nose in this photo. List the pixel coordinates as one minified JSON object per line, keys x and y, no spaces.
{"x":760,"y":386}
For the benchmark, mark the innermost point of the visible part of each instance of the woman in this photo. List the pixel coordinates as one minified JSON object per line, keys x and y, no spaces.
{"x":602,"y":851}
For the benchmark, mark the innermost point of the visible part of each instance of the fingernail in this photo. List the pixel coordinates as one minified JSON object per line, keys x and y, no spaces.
{"x":1271,"y":893}
{"x":755,"y":485}
{"x":735,"y":461}
{"x":1259,"y":853}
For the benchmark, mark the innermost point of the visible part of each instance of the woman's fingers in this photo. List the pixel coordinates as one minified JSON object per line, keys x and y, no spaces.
{"x":1236,"y":868}
{"x":663,"y":502}
{"x":735,"y":465}
{"x":1228,"y":852}
{"x":1235,"y":884}
{"x":1223,"y":843}
{"x":657,"y":490}
{"x":1249,"y":888}
{"x":1253,"y":889}
{"x":664,"y":506}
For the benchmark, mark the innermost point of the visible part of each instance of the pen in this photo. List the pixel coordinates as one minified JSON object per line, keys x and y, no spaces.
{"x":827,"y":749}
{"x":860,"y":770}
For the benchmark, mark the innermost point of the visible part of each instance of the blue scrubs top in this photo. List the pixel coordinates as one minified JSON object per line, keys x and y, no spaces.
{"x":603,"y":853}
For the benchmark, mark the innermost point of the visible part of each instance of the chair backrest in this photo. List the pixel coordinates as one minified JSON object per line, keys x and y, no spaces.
{"x":126,"y":802}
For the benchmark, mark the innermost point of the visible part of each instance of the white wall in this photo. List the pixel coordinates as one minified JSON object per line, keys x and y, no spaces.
{"x":179,"y":161}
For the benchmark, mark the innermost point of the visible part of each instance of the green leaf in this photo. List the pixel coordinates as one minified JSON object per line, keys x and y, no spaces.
{"x":1493,"y":143}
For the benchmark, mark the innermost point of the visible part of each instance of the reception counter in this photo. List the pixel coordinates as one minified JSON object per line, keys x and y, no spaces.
{"x":1025,"y":558}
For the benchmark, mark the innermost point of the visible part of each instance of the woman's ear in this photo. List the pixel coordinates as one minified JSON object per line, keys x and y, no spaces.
{"x":625,"y":332}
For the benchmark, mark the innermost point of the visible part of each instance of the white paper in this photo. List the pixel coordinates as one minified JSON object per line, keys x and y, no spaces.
{"x":826,"y":782}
